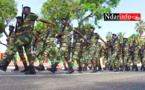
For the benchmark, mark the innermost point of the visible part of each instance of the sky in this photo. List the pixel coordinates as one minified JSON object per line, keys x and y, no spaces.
{"x":125,"y":6}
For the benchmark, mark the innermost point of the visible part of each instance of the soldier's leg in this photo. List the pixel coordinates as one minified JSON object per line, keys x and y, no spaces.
{"x":143,"y":63}
{"x":24,"y":61}
{"x":135,"y":63}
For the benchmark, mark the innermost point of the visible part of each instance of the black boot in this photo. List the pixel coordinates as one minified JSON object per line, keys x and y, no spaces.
{"x":99,"y":68}
{"x":31,"y":71}
{"x":116,"y":69}
{"x":65,"y":68}
{"x":4,"y":64}
{"x":16,"y":68}
{"x":53,"y":69}
{"x":90,"y":67}
{"x":136,"y":68}
{"x":126,"y":68}
{"x":133,"y":68}
{"x":95,"y":69}
{"x":26,"y":68}
{"x":85,"y":67}
{"x":80,"y":68}
{"x":40,"y":68}
{"x":70,"y":71}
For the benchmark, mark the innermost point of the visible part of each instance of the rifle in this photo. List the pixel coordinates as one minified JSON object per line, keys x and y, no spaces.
{"x":3,"y":44}
{"x":22,"y":15}
{"x":6,"y":34}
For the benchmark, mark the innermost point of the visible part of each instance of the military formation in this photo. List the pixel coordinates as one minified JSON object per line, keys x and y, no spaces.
{"x":87,"y":51}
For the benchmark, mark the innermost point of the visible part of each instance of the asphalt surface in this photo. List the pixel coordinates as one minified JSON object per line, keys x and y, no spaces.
{"x":45,"y":80}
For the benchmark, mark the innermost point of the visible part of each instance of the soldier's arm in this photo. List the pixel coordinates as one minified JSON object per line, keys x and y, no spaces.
{"x":45,"y":21}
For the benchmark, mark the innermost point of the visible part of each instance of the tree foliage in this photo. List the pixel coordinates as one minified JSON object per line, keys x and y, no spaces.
{"x":8,"y":11}
{"x":80,"y":10}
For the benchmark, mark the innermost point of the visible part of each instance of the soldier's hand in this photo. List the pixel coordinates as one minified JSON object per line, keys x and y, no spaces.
{"x":88,"y":41}
{"x":33,"y":44}
{"x":7,"y":39}
{"x":45,"y":40}
{"x":38,"y":39}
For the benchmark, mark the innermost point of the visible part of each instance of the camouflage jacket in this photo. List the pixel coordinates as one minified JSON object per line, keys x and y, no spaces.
{"x":29,"y":22}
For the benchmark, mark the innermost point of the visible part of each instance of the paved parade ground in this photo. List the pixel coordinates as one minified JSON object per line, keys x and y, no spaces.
{"x":102,"y":80}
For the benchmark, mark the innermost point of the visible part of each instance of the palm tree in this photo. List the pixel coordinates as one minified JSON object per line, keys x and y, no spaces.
{"x":140,"y":27}
{"x":121,"y":36}
{"x":109,"y":36}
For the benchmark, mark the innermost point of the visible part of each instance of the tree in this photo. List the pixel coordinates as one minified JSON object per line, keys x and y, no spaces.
{"x":8,"y":11}
{"x":109,"y":36}
{"x":54,"y":10}
{"x":140,"y":27}
{"x":80,"y":10}
{"x":120,"y":37}
{"x":84,"y":10}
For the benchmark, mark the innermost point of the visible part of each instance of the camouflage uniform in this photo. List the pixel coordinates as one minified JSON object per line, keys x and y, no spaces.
{"x":107,"y":55}
{"x":76,"y":51}
{"x":50,"y":51}
{"x":119,"y":57}
{"x":135,"y":57}
{"x":92,"y":46}
{"x":125,"y":55}
{"x":24,"y":40}
{"x":85,"y":54}
{"x":64,"y":51}
{"x":143,"y":60}
{"x":96,"y":59}
{"x":112,"y":58}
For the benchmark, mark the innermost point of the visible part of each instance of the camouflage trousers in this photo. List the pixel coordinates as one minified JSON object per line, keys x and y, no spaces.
{"x":23,"y":40}
{"x":84,"y":57}
{"x":143,"y":61}
{"x":50,"y":53}
{"x":135,"y":60}
{"x":64,"y":54}
{"x":120,"y":61}
{"x":129,"y":60}
{"x":20,"y":52}
{"x":77,"y":56}
{"x":114,"y":61}
{"x":107,"y":62}
{"x":96,"y":61}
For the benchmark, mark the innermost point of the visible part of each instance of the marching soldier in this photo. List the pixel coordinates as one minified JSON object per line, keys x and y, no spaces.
{"x":24,"y":40}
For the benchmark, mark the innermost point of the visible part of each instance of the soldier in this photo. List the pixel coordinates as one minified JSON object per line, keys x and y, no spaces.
{"x":39,"y":49}
{"x":24,"y":40}
{"x":112,"y":58}
{"x":49,"y":49}
{"x":141,"y":54}
{"x":64,"y":51}
{"x":119,"y":57}
{"x":135,"y":56}
{"x":85,"y":54}
{"x":65,"y":47}
{"x":92,"y":39}
{"x":96,"y":59}
{"x":10,"y":40}
{"x":76,"y":50}
{"x":143,"y":58}
{"x":125,"y":54}
{"x":107,"y":55}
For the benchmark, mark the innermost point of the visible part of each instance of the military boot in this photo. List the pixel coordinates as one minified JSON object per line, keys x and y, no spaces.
{"x":95,"y":69}
{"x":70,"y":71}
{"x":40,"y":68}
{"x":16,"y":68}
{"x":4,"y":65}
{"x":31,"y":70}
{"x":26,"y":68}
{"x":53,"y":69}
